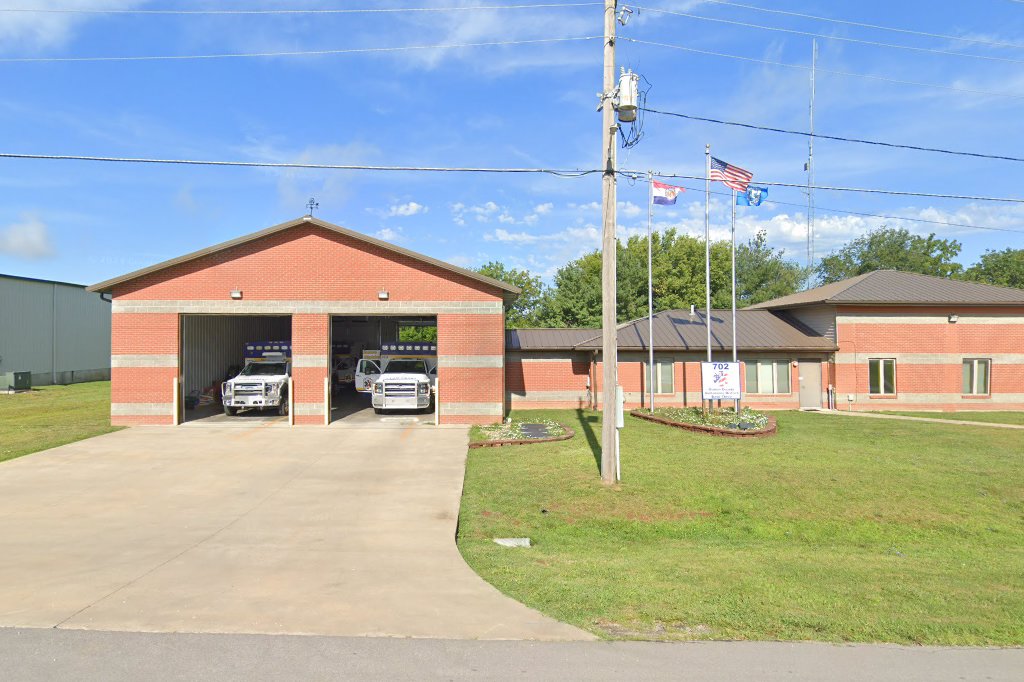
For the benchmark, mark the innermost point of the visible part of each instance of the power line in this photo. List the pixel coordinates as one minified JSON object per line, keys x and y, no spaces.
{"x":838,"y":138}
{"x":296,"y":53}
{"x":574,"y":173}
{"x":862,"y":190}
{"x":804,"y":67}
{"x":385,"y":10}
{"x":632,"y":175}
{"x":824,"y":36}
{"x":879,"y":27}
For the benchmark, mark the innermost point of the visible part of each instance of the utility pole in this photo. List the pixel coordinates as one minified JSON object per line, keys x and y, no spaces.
{"x":609,"y":253}
{"x":810,"y":171}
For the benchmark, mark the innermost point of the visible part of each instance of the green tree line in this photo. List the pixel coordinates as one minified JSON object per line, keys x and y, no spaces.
{"x":762,"y":273}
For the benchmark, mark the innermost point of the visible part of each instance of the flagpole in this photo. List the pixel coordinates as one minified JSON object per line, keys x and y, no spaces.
{"x":707,"y":245}
{"x":650,"y":289}
{"x":734,"y":359}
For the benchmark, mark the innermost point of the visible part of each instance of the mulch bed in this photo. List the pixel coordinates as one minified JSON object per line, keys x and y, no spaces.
{"x":569,"y":433}
{"x":713,"y":430}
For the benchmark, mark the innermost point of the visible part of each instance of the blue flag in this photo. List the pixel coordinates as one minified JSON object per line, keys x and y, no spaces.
{"x":752,"y":197}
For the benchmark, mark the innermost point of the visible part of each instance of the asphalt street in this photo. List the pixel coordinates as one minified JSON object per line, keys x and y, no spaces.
{"x":85,"y":655}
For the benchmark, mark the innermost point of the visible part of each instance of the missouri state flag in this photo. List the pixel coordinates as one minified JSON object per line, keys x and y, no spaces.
{"x":665,"y":194}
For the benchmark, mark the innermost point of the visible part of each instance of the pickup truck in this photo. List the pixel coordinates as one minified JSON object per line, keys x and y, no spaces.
{"x":404,"y":384}
{"x":262,"y":384}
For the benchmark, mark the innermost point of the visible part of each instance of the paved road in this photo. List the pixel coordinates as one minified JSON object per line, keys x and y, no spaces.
{"x":250,"y":530}
{"x":46,"y":655}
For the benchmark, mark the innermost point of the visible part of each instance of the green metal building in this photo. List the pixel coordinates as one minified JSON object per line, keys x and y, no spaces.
{"x":57,"y":331}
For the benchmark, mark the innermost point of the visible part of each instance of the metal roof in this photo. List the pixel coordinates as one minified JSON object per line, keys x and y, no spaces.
{"x":43,"y":281}
{"x":108,"y":285}
{"x":678,"y":330}
{"x":547,"y":339}
{"x":892,"y":287}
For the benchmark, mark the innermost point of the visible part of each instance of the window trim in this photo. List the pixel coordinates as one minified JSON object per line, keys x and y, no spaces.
{"x":881,"y":378}
{"x":658,"y":362}
{"x":787,"y":362}
{"x":988,"y":377}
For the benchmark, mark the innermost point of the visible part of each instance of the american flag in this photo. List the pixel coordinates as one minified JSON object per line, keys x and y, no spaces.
{"x":733,"y":176}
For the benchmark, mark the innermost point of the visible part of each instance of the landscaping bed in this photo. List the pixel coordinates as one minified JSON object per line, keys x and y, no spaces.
{"x":749,"y":424}
{"x":519,"y":432}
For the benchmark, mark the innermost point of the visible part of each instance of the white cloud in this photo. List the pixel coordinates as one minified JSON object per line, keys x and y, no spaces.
{"x":29,"y":238}
{"x":408,"y":209}
{"x":388,"y":235}
{"x":543,"y":209}
{"x":628,"y":209}
{"x":482,"y":212}
{"x":40,"y":30}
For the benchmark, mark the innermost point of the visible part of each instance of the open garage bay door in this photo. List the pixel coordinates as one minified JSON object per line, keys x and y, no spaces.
{"x":375,"y":338}
{"x":213,"y":350}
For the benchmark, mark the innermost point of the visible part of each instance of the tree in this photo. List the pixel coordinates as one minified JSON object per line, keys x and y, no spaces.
{"x":524,"y":311}
{"x":1004,"y":268}
{"x":678,"y":267}
{"x":763,"y":273}
{"x":891,"y":249}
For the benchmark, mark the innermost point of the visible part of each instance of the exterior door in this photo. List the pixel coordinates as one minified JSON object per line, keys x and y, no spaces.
{"x":809,"y":375}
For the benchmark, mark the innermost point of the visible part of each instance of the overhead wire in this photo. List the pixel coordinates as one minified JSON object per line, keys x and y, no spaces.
{"x":294,"y":53}
{"x":825,"y":36}
{"x":352,"y":10}
{"x":577,"y":172}
{"x":862,"y":190}
{"x":570,"y":173}
{"x":877,"y":27}
{"x":632,"y":175}
{"x":804,"y":67}
{"x":838,"y":138}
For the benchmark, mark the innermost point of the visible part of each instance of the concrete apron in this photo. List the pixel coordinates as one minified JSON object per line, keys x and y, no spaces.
{"x":258,"y":530}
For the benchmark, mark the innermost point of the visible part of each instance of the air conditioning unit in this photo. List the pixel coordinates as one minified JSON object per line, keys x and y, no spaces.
{"x":15,"y":381}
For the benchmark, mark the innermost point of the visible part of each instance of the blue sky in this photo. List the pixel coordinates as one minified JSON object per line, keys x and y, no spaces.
{"x":512,"y":106}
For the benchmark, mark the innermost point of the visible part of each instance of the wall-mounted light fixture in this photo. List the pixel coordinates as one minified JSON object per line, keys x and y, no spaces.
{"x":953,"y":317}
{"x":236,"y":294}
{"x":382,"y":295}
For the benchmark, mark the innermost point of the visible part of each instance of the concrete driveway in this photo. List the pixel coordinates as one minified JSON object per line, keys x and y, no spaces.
{"x":250,"y":530}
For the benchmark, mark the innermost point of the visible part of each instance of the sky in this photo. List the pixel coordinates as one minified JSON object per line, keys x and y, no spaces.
{"x":525,"y":105}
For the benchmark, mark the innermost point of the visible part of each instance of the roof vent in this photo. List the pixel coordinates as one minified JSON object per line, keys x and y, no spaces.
{"x":693,"y":310}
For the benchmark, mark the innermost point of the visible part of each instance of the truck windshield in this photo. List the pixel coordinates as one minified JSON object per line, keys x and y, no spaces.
{"x":263,"y":369}
{"x":407,"y":366}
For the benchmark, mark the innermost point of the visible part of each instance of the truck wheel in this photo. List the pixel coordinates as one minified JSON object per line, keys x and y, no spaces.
{"x":282,"y":409}
{"x":230,"y":411}
{"x":377,"y":410}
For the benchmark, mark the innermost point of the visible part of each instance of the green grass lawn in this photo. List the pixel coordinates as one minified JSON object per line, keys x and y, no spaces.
{"x":835,"y":529}
{"x":996,"y":417}
{"x":53,"y":415}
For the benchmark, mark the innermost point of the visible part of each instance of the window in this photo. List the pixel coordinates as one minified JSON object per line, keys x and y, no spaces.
{"x":882,"y":377}
{"x":768,"y":376}
{"x":976,"y":372}
{"x":662,"y":376}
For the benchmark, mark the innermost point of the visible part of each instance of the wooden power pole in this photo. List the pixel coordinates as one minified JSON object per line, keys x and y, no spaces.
{"x":609,"y":318}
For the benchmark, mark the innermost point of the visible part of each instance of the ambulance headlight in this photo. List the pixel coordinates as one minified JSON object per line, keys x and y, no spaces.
{"x":378,"y":388}
{"x":424,"y":388}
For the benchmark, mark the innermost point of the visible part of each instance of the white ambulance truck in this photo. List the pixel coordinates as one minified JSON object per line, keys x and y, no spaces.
{"x":400,"y":376}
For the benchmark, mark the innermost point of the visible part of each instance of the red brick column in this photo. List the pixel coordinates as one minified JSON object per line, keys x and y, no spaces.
{"x":144,"y":365}
{"x":311,"y":340}
{"x":471,"y":373}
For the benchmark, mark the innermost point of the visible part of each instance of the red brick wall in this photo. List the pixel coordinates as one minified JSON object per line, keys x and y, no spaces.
{"x":929,"y":355}
{"x":306,"y":263}
{"x":309,"y":263}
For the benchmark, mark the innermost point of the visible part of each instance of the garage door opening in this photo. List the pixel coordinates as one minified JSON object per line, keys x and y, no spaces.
{"x":364,"y":348}
{"x":216,"y":348}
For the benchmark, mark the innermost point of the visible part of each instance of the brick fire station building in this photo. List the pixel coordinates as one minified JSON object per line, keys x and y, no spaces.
{"x":883,"y":340}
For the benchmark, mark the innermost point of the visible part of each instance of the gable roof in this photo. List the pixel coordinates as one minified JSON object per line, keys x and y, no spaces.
{"x":677,"y":330}
{"x":892,"y":287}
{"x":108,"y":285}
